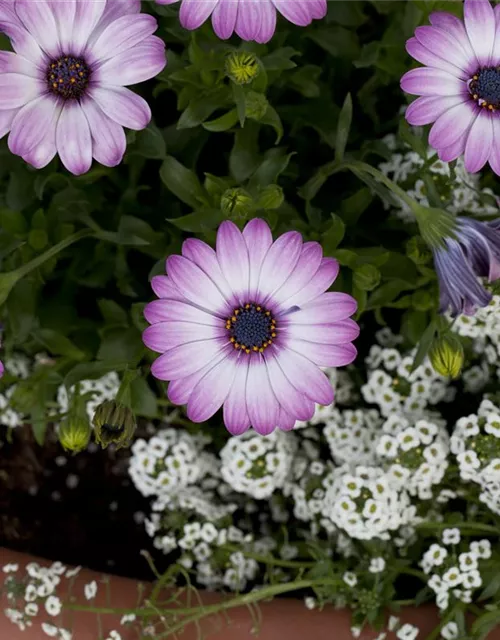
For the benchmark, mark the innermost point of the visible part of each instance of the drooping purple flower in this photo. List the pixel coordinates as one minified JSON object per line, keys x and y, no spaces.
{"x":473,"y":253}
{"x":249,"y":19}
{"x":460,"y":84}
{"x":63,"y":90}
{"x":248,"y":326}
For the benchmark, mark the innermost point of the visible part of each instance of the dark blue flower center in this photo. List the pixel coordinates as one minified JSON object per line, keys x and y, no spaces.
{"x":485,"y":88}
{"x":251,"y":328}
{"x":68,"y":77}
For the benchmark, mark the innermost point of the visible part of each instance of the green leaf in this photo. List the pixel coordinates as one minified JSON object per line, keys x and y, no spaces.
{"x":13,"y":222}
{"x":331,"y":238}
{"x":271,"y":168}
{"x":343,"y":128}
{"x":150,"y":143}
{"x":424,"y":345}
{"x":272,"y":119}
{"x":486,"y":623}
{"x":57,"y":344}
{"x":223,"y":123}
{"x":240,"y":102}
{"x":112,"y":313}
{"x":181,"y":181}
{"x":198,"y":221}
{"x":93,"y":370}
{"x":143,"y":401}
{"x":366,"y":277}
{"x":387,"y":293}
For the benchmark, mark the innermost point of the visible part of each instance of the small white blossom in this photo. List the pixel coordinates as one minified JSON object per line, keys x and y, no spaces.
{"x":10,"y":568}
{"x":407,"y":632}
{"x":310,"y":602}
{"x":50,"y":630}
{"x":53,"y":606}
{"x":128,"y":618}
{"x":451,"y":536}
{"x":377,"y":565}
{"x":90,"y":590}
{"x":350,"y":579}
{"x":481,"y":548}
{"x":449,"y":631}
{"x":452,"y":577}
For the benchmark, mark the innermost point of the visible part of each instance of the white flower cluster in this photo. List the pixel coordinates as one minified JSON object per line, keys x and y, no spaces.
{"x":352,"y":435}
{"x":395,"y":388}
{"x":34,"y":594}
{"x":94,"y":393}
{"x":258,"y":465}
{"x":408,"y":169}
{"x":475,"y":442}
{"x":416,"y":456}
{"x":454,"y":575}
{"x":19,"y":367}
{"x":365,"y":503}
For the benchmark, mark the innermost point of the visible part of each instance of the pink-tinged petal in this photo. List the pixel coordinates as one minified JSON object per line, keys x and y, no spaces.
{"x":420,"y":53}
{"x":23,"y":42}
{"x":455,"y":27}
{"x":165,"y":288}
{"x":108,"y":137}
{"x":38,"y":19}
{"x":495,"y":150}
{"x":262,"y":406}
{"x":268,"y":22}
{"x":258,"y":238}
{"x":15,"y":63}
{"x":305,"y":269}
{"x":318,"y":9}
{"x":186,"y":359}
{"x":329,"y":307}
{"x":114,"y":9}
{"x":224,"y":18}
{"x":235,"y":407}
{"x":64,"y":16}
{"x":212,"y":390}
{"x":122,"y":34}
{"x":428,"y":109}
{"x":427,"y":81}
{"x":6,"y":118}
{"x":452,"y":124}
{"x":249,"y":19}
{"x":42,"y":153}
{"x":232,"y":255}
{"x":167,"y":1}
{"x":305,"y":376}
{"x":445,"y":47}
{"x":291,"y":400}
{"x":73,"y":139}
{"x":196,"y":286}
{"x":333,"y":333}
{"x":137,"y":64}
{"x":16,"y":90}
{"x":324,"y":355}
{"x":163,"y":336}
{"x":479,"y":22}
{"x":180,"y":390}
{"x":31,"y":123}
{"x":296,"y":11}
{"x":323,"y":278}
{"x":205,"y":257}
{"x":479,"y":142}
{"x":87,"y":17}
{"x":455,"y":150}
{"x":278,"y":264}
{"x":176,"y":311}
{"x":193,"y":13}
{"x":123,"y":106}
{"x":286,"y":422}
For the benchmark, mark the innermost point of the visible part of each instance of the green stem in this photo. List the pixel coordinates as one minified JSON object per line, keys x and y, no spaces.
{"x":473,"y":527}
{"x":272,"y":561}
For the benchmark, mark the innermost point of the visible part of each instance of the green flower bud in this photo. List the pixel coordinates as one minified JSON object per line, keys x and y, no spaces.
{"x":236,"y":203}
{"x":114,"y":424}
{"x":366,"y":277}
{"x":418,"y":251}
{"x":74,"y":434}
{"x":242,"y":67}
{"x":256,"y":105}
{"x":447,"y":355}
{"x":271,"y":197}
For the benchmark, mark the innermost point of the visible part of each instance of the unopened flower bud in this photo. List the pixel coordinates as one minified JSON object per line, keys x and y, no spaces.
{"x":256,"y":105}
{"x":447,"y":355}
{"x":271,"y":197}
{"x":242,"y":67}
{"x":114,"y":424}
{"x":236,"y":203}
{"x":74,"y":434}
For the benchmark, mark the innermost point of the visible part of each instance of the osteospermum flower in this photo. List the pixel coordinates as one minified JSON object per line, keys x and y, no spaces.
{"x":250,"y":19}
{"x":248,"y":326}
{"x":472,"y":252}
{"x":63,"y":90}
{"x":460,"y":84}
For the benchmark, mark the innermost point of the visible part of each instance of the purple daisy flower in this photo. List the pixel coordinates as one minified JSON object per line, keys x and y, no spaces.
{"x":248,"y":326}
{"x":473,"y":252}
{"x":63,"y":90}
{"x":250,"y":19}
{"x":460,"y":84}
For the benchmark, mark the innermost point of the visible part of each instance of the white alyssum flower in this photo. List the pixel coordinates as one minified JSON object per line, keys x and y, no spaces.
{"x":351,"y":434}
{"x":94,"y":393}
{"x":450,"y":536}
{"x":310,"y":603}
{"x":128,"y":618}
{"x":350,"y":579}
{"x":407,"y":632}
{"x":258,"y":465}
{"x":449,"y":631}
{"x":377,"y":565}
{"x":49,"y":630}
{"x":10,"y":568}
{"x":53,"y":606}
{"x":90,"y":590}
